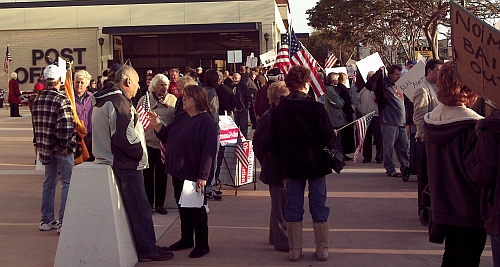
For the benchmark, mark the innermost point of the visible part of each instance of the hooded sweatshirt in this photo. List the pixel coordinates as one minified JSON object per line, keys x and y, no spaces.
{"x":117,"y":133}
{"x":487,"y":171}
{"x":301,"y":154}
{"x":450,"y":145}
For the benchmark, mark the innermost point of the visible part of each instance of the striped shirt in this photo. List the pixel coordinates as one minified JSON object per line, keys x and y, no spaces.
{"x":53,"y":123}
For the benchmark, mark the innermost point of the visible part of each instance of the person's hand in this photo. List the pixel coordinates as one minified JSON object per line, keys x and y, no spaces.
{"x":63,"y":152}
{"x":155,"y":120}
{"x":200,"y":184}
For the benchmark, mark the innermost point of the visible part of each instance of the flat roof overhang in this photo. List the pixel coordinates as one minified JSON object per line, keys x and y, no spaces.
{"x":182,"y":29}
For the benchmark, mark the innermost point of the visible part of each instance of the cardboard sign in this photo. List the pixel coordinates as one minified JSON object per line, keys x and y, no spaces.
{"x":232,"y":173}
{"x":412,"y":79}
{"x":477,"y":54}
{"x":252,"y":61}
{"x":339,"y":70}
{"x":421,"y":58}
{"x":245,"y":175}
{"x":228,"y":131}
{"x":268,"y":58}
{"x":372,"y":62}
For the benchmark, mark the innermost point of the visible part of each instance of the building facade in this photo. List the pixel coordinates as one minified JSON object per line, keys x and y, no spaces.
{"x":152,"y":35}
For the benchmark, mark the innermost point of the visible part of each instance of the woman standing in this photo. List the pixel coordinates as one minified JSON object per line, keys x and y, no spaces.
{"x":84,"y":107}
{"x":348,"y":145}
{"x":270,"y":173}
{"x":155,"y":178}
{"x":300,"y":129}
{"x":450,"y":146}
{"x":333,"y":106}
{"x":191,"y":140}
{"x":14,"y":95}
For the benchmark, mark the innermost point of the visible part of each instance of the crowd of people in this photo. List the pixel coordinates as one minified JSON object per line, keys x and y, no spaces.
{"x":292,"y":128}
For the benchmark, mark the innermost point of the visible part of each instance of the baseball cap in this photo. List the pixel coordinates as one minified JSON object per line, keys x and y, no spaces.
{"x":412,"y":62}
{"x":52,"y":72}
{"x":115,"y":67}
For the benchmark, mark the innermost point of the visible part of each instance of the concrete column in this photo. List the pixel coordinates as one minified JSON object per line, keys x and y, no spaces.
{"x":96,"y":231}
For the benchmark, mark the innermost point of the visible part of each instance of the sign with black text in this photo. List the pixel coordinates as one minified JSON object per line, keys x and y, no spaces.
{"x":476,"y":53}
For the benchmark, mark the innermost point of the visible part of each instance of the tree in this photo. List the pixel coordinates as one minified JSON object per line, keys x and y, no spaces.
{"x":397,"y":24}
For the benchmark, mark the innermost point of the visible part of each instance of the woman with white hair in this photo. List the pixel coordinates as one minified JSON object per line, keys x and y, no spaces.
{"x":14,"y":95}
{"x":155,"y":178}
{"x":84,"y":107}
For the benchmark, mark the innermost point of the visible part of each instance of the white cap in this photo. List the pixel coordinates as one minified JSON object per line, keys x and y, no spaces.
{"x":52,"y":72}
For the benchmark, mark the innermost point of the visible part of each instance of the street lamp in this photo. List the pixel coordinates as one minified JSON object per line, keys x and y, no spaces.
{"x":266,"y":37}
{"x":101,"y":42}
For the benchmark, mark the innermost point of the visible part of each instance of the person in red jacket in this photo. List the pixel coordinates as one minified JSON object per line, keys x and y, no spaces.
{"x":14,"y":95}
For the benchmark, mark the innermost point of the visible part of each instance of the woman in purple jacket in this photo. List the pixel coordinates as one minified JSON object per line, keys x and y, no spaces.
{"x":84,"y":107}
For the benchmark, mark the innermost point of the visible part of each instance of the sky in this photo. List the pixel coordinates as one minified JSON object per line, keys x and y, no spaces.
{"x":298,"y":14}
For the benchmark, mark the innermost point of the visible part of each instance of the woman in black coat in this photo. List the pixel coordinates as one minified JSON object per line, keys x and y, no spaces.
{"x":300,"y":129}
{"x":347,"y":133}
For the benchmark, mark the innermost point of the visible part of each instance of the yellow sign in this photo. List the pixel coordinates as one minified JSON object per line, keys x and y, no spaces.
{"x":424,"y":51}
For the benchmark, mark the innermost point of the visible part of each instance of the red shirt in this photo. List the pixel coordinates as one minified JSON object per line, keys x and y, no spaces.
{"x":172,"y":89}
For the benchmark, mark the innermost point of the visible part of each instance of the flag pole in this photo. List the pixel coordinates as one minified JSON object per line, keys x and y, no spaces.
{"x":309,"y":53}
{"x":352,"y":122}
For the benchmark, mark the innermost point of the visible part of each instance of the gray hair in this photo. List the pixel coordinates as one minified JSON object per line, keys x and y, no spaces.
{"x":13,"y":75}
{"x":158,"y":78}
{"x":185,"y":81}
{"x":124,"y":73}
{"x":84,"y":75}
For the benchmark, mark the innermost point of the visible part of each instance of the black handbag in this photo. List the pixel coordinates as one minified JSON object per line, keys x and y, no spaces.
{"x":335,"y":158}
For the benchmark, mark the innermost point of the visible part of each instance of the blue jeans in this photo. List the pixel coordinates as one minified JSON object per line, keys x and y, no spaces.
{"x":294,"y":207}
{"x":495,"y":249}
{"x":394,"y":139}
{"x":135,"y":200}
{"x":64,"y":165}
{"x":241,"y":120}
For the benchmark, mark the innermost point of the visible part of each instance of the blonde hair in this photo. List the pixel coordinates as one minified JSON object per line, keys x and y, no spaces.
{"x":185,"y":81}
{"x":275,"y":91}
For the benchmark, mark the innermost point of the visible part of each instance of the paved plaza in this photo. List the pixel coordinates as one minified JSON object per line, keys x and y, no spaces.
{"x":373,"y":219}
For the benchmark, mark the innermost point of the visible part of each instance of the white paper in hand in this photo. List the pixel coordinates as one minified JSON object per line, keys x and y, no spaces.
{"x":189,"y":197}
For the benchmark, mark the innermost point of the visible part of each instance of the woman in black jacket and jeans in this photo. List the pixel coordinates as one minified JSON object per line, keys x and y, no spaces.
{"x":300,"y":129}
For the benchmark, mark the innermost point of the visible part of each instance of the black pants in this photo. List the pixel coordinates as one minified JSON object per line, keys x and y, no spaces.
{"x":88,"y":142}
{"x":463,"y":246}
{"x":14,"y":110}
{"x":155,"y":178}
{"x":191,"y":219}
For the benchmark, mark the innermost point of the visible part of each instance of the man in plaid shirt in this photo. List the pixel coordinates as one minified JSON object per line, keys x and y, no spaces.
{"x":55,"y":137}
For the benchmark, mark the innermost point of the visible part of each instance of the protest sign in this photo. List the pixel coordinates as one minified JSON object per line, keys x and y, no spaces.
{"x":339,"y":70}
{"x":421,"y":58}
{"x":228,"y":130}
{"x":476,"y":53}
{"x":268,"y":58}
{"x":252,"y":61}
{"x":412,"y":79}
{"x":372,"y":62}
{"x":424,"y":51}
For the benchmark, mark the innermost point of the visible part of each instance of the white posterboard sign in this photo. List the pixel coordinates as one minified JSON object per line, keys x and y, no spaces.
{"x":61,"y":63}
{"x":234,"y":56}
{"x":372,"y":62}
{"x":228,"y":130}
{"x":268,"y":58}
{"x":232,"y":172}
{"x":421,"y":58}
{"x":339,"y":70}
{"x":412,"y":79}
{"x":252,"y":61}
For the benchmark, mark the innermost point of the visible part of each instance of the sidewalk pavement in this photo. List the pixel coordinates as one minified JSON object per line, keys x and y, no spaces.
{"x":373,"y":218}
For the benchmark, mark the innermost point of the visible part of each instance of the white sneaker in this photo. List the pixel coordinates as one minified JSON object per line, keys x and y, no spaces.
{"x":46,"y":226}
{"x":59,"y":229}
{"x":207,"y":209}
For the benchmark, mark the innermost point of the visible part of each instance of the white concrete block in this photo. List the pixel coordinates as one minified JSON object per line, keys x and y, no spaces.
{"x":95,"y":231}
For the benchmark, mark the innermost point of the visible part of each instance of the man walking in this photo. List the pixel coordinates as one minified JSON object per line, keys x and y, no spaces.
{"x":118,"y":141}
{"x":55,"y":140}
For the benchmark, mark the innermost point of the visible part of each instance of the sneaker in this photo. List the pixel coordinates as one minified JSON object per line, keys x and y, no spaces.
{"x":46,"y":226}
{"x":218,"y":192}
{"x":162,"y":254}
{"x":59,"y":229}
{"x":213,"y":196}
{"x":206,"y":208}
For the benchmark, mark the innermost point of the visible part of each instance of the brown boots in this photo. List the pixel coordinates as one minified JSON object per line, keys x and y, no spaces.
{"x":294,"y":230}
{"x":321,"y":231}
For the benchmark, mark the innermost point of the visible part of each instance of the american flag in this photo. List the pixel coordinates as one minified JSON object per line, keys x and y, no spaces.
{"x":163,"y":147}
{"x":330,"y":61}
{"x":240,"y":152}
{"x":143,"y":110}
{"x":299,"y":56}
{"x":361,"y":127}
{"x":283,"y":60}
{"x":7,"y":60}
